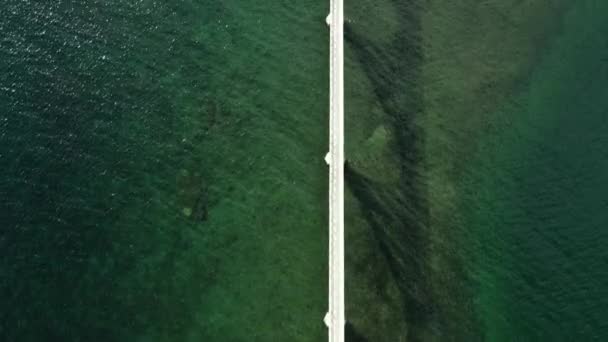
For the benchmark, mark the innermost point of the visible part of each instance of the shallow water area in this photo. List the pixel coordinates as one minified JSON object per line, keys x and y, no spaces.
{"x":476,"y":155}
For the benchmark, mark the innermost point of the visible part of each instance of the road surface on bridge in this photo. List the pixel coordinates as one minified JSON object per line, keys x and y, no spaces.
{"x":335,"y":317}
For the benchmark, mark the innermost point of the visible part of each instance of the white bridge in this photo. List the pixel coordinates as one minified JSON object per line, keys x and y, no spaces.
{"x":335,"y":318}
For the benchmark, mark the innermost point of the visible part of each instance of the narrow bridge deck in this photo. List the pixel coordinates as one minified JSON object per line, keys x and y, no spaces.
{"x":335,"y":317}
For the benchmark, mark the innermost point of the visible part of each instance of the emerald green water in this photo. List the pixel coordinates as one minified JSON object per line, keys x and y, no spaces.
{"x":161,"y":171}
{"x":478,"y":157}
{"x":541,"y":210}
{"x":162,"y":174}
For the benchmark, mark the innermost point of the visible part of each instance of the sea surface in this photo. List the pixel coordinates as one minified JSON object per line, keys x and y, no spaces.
{"x":478,"y":158}
{"x":162,"y":174}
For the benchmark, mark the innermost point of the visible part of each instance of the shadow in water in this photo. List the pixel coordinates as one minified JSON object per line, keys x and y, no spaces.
{"x":351,"y":335}
{"x":399,"y":216}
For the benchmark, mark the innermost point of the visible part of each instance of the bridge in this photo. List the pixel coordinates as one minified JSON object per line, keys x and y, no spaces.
{"x":335,"y":317}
